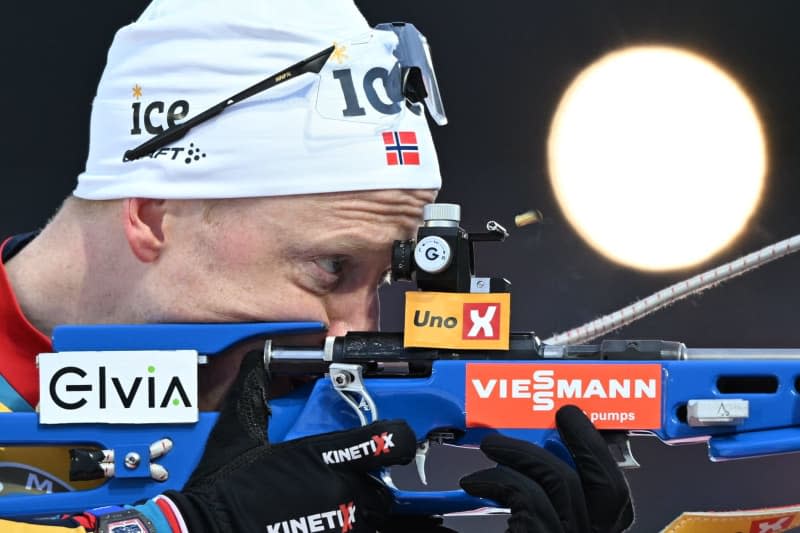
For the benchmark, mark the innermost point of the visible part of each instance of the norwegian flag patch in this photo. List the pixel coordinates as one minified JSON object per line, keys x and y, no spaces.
{"x":401,"y":147}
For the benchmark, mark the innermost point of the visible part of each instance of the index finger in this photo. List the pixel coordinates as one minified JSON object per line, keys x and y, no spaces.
{"x":607,"y":494}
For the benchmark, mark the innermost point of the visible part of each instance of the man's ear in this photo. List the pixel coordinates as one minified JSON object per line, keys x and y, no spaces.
{"x":143,"y":220}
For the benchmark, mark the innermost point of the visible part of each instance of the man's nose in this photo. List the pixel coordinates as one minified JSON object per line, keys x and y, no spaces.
{"x":357,"y":313}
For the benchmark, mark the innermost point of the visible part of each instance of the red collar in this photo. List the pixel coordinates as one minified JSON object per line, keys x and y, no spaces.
{"x":20,"y":343}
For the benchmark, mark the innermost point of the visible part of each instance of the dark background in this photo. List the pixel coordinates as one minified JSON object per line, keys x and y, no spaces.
{"x":502,"y":67}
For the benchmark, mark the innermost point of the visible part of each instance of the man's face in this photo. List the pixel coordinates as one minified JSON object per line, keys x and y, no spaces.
{"x":314,"y":257}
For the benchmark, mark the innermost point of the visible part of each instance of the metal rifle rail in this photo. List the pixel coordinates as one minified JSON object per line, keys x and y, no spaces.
{"x":741,"y":354}
{"x":363,"y":347}
{"x":291,"y":353}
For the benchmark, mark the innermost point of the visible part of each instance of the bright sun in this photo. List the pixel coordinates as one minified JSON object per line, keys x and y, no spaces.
{"x":657,"y":157}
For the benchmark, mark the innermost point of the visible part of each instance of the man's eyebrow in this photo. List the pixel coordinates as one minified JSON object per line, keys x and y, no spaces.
{"x":344,"y":244}
{"x":354,"y":245}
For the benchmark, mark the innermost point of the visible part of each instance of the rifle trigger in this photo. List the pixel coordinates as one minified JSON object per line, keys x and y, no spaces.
{"x":419,"y":459}
{"x":620,"y":447}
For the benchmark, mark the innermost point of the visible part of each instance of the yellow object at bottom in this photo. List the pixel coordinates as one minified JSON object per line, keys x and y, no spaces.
{"x":770,"y":520}
{"x":21,"y":527}
{"x":37,"y":469}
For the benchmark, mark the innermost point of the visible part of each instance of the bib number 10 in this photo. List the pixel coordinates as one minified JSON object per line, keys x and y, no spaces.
{"x":391,"y":88}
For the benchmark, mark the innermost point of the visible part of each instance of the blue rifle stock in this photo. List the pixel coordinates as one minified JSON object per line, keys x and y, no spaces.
{"x":129,"y":485}
{"x":428,"y":391}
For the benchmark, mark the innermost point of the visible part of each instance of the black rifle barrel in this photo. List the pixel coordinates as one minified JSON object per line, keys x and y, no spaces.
{"x":387,"y":347}
{"x":363,"y":347}
{"x":372,"y":346}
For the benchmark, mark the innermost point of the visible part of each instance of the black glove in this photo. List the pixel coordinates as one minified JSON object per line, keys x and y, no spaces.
{"x":244,"y":484}
{"x":547,"y":495}
{"x":415,"y":524}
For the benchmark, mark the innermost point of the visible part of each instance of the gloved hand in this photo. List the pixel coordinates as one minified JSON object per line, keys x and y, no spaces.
{"x":547,"y":495}
{"x":244,"y":484}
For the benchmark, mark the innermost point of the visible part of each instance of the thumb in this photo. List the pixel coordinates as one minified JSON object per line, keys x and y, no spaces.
{"x":243,"y":420}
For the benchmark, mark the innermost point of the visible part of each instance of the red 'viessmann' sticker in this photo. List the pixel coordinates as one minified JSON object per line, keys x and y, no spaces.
{"x":527,"y":395}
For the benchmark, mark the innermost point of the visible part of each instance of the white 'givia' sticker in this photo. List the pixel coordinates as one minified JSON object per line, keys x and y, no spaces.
{"x":119,"y":387}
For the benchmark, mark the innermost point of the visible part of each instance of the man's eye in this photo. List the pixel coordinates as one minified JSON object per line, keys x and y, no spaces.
{"x":332,"y":265}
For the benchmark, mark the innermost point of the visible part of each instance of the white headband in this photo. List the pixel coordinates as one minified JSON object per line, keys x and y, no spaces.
{"x":336,"y":131}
